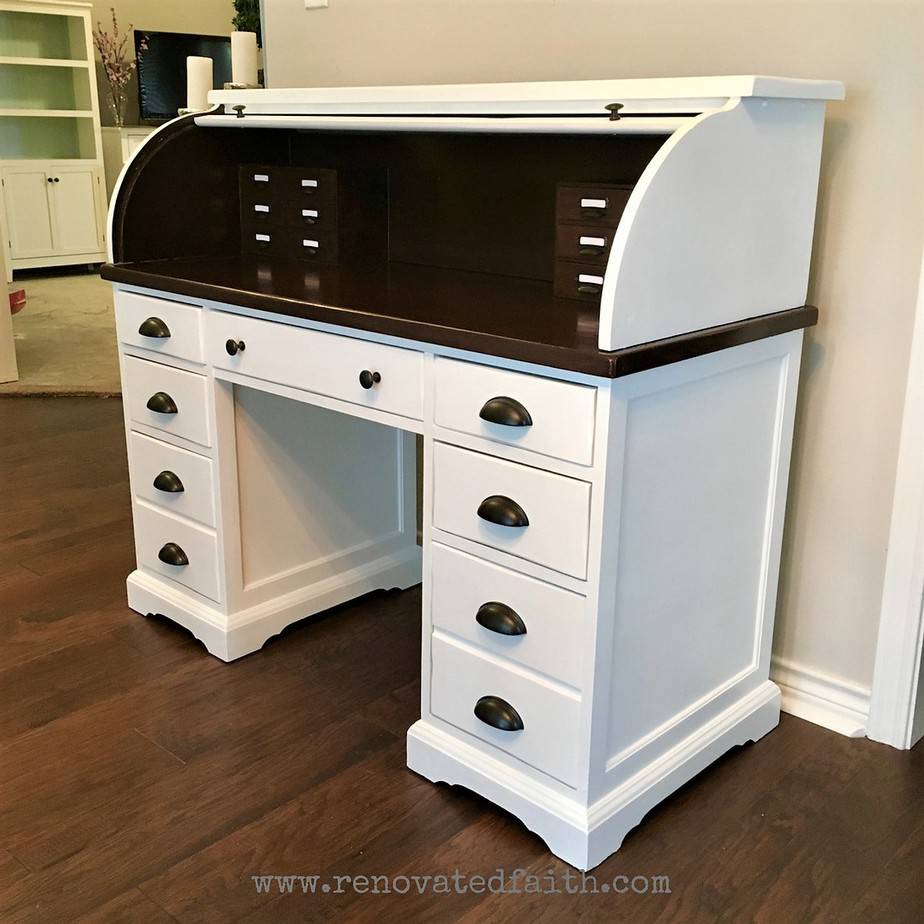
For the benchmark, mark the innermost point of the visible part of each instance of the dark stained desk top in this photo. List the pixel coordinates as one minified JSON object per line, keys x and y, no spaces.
{"x":504,"y":316}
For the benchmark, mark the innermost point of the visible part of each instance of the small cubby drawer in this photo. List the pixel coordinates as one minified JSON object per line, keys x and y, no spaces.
{"x":583,"y":243}
{"x":463,"y":681}
{"x":167,"y":399}
{"x":168,"y":328}
{"x":175,"y":479}
{"x":177,"y":549}
{"x":517,"y":509}
{"x":543,"y":415}
{"x":599,"y":205}
{"x":369,"y":374}
{"x":511,"y":616}
{"x":578,"y":280}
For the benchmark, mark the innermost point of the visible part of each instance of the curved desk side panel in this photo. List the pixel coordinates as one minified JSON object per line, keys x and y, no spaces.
{"x":719,"y":227}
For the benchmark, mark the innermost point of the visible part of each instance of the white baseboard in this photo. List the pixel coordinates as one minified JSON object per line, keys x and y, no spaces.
{"x":815,"y":696}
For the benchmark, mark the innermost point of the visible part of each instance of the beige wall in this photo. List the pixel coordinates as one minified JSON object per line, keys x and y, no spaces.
{"x":868,"y":243}
{"x":206,"y":17}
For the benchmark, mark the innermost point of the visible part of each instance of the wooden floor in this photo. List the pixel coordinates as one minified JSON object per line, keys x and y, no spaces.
{"x":143,"y":780}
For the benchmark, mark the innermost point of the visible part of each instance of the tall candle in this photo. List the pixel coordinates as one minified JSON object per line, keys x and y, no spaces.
{"x":244,"y":57}
{"x":198,"y":82}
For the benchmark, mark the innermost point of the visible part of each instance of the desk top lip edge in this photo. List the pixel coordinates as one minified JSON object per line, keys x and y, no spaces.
{"x":597,"y":363}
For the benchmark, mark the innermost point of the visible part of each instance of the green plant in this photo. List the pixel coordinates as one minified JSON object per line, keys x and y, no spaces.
{"x":247,"y":17}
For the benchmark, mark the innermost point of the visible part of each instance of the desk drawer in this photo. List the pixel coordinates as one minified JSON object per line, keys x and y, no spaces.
{"x":181,"y":396}
{"x":177,"y":480}
{"x":507,"y":614}
{"x":327,"y":364}
{"x":160,"y":534}
{"x":557,"y":508}
{"x":597,"y":205}
{"x":559,"y":415}
{"x":166,"y":327}
{"x":548,"y":740}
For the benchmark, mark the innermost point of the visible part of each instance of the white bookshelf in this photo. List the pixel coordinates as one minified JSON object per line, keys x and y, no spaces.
{"x":51,"y":164}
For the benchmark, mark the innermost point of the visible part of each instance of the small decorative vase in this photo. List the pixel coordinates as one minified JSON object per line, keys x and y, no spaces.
{"x":117,"y":101}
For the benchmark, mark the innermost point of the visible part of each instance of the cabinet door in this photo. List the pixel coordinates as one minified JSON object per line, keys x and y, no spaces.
{"x":28,"y":216}
{"x":75,"y":211}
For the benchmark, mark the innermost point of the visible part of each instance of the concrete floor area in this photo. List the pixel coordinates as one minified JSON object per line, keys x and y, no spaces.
{"x":65,"y":336}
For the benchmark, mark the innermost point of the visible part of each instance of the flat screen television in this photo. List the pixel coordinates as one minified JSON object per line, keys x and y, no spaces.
{"x":161,"y":60}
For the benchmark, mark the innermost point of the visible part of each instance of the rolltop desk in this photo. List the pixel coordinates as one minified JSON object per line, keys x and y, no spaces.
{"x":587,"y":299}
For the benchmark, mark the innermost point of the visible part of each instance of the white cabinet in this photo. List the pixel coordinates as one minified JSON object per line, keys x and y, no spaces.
{"x":28,"y":213}
{"x":54,"y":213}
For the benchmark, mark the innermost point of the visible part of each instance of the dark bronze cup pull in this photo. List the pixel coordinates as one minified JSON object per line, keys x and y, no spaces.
{"x":154,"y":327}
{"x":172,"y":554}
{"x":591,"y":211}
{"x":508,"y":412}
{"x":233,"y":347}
{"x":369,"y":379}
{"x":161,"y":403}
{"x":588,"y":288}
{"x":498,"y":713}
{"x":503,"y":511}
{"x":590,"y":251}
{"x":500,"y":618}
{"x":169,"y":483}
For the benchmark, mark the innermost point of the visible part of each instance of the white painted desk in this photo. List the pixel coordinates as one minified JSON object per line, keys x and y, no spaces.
{"x":603,"y":495}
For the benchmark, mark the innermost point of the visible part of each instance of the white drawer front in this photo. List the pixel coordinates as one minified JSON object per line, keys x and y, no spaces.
{"x":551,"y":719}
{"x":557,"y":508}
{"x":327,"y":364}
{"x":139,"y":318}
{"x":186,"y":390}
{"x":154,"y":530}
{"x":479,"y":601}
{"x":175,"y":479}
{"x":561,"y":413}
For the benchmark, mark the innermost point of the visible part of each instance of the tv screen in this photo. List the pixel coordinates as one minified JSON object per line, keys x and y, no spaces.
{"x":162,"y":69}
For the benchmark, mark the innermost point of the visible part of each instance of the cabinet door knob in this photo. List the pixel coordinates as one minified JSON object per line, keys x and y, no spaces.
{"x":498,"y":713}
{"x":161,"y":403}
{"x":369,"y":379}
{"x":500,"y":618}
{"x":508,"y":412}
{"x":50,"y":180}
{"x":169,"y":483}
{"x":503,"y":511}
{"x":233,"y":347}
{"x":154,"y":327}
{"x":57,"y":179}
{"x":172,"y":554}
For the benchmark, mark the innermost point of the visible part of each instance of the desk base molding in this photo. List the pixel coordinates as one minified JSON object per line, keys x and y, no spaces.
{"x":579,"y":835}
{"x":247,"y":631}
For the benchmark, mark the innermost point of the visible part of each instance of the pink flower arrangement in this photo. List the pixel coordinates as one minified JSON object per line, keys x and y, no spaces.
{"x":112,"y":48}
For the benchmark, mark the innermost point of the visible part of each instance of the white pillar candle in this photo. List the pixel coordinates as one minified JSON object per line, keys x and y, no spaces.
{"x":198,"y":82}
{"x":244,"y":57}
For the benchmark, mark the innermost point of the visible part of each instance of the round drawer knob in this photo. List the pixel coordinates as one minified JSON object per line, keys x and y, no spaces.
{"x":172,"y":554}
{"x":233,"y":347}
{"x":369,"y":379}
{"x":498,"y":713}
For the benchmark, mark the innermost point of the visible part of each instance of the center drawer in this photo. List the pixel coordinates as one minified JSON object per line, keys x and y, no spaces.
{"x":371,"y":374}
{"x":475,"y":495}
